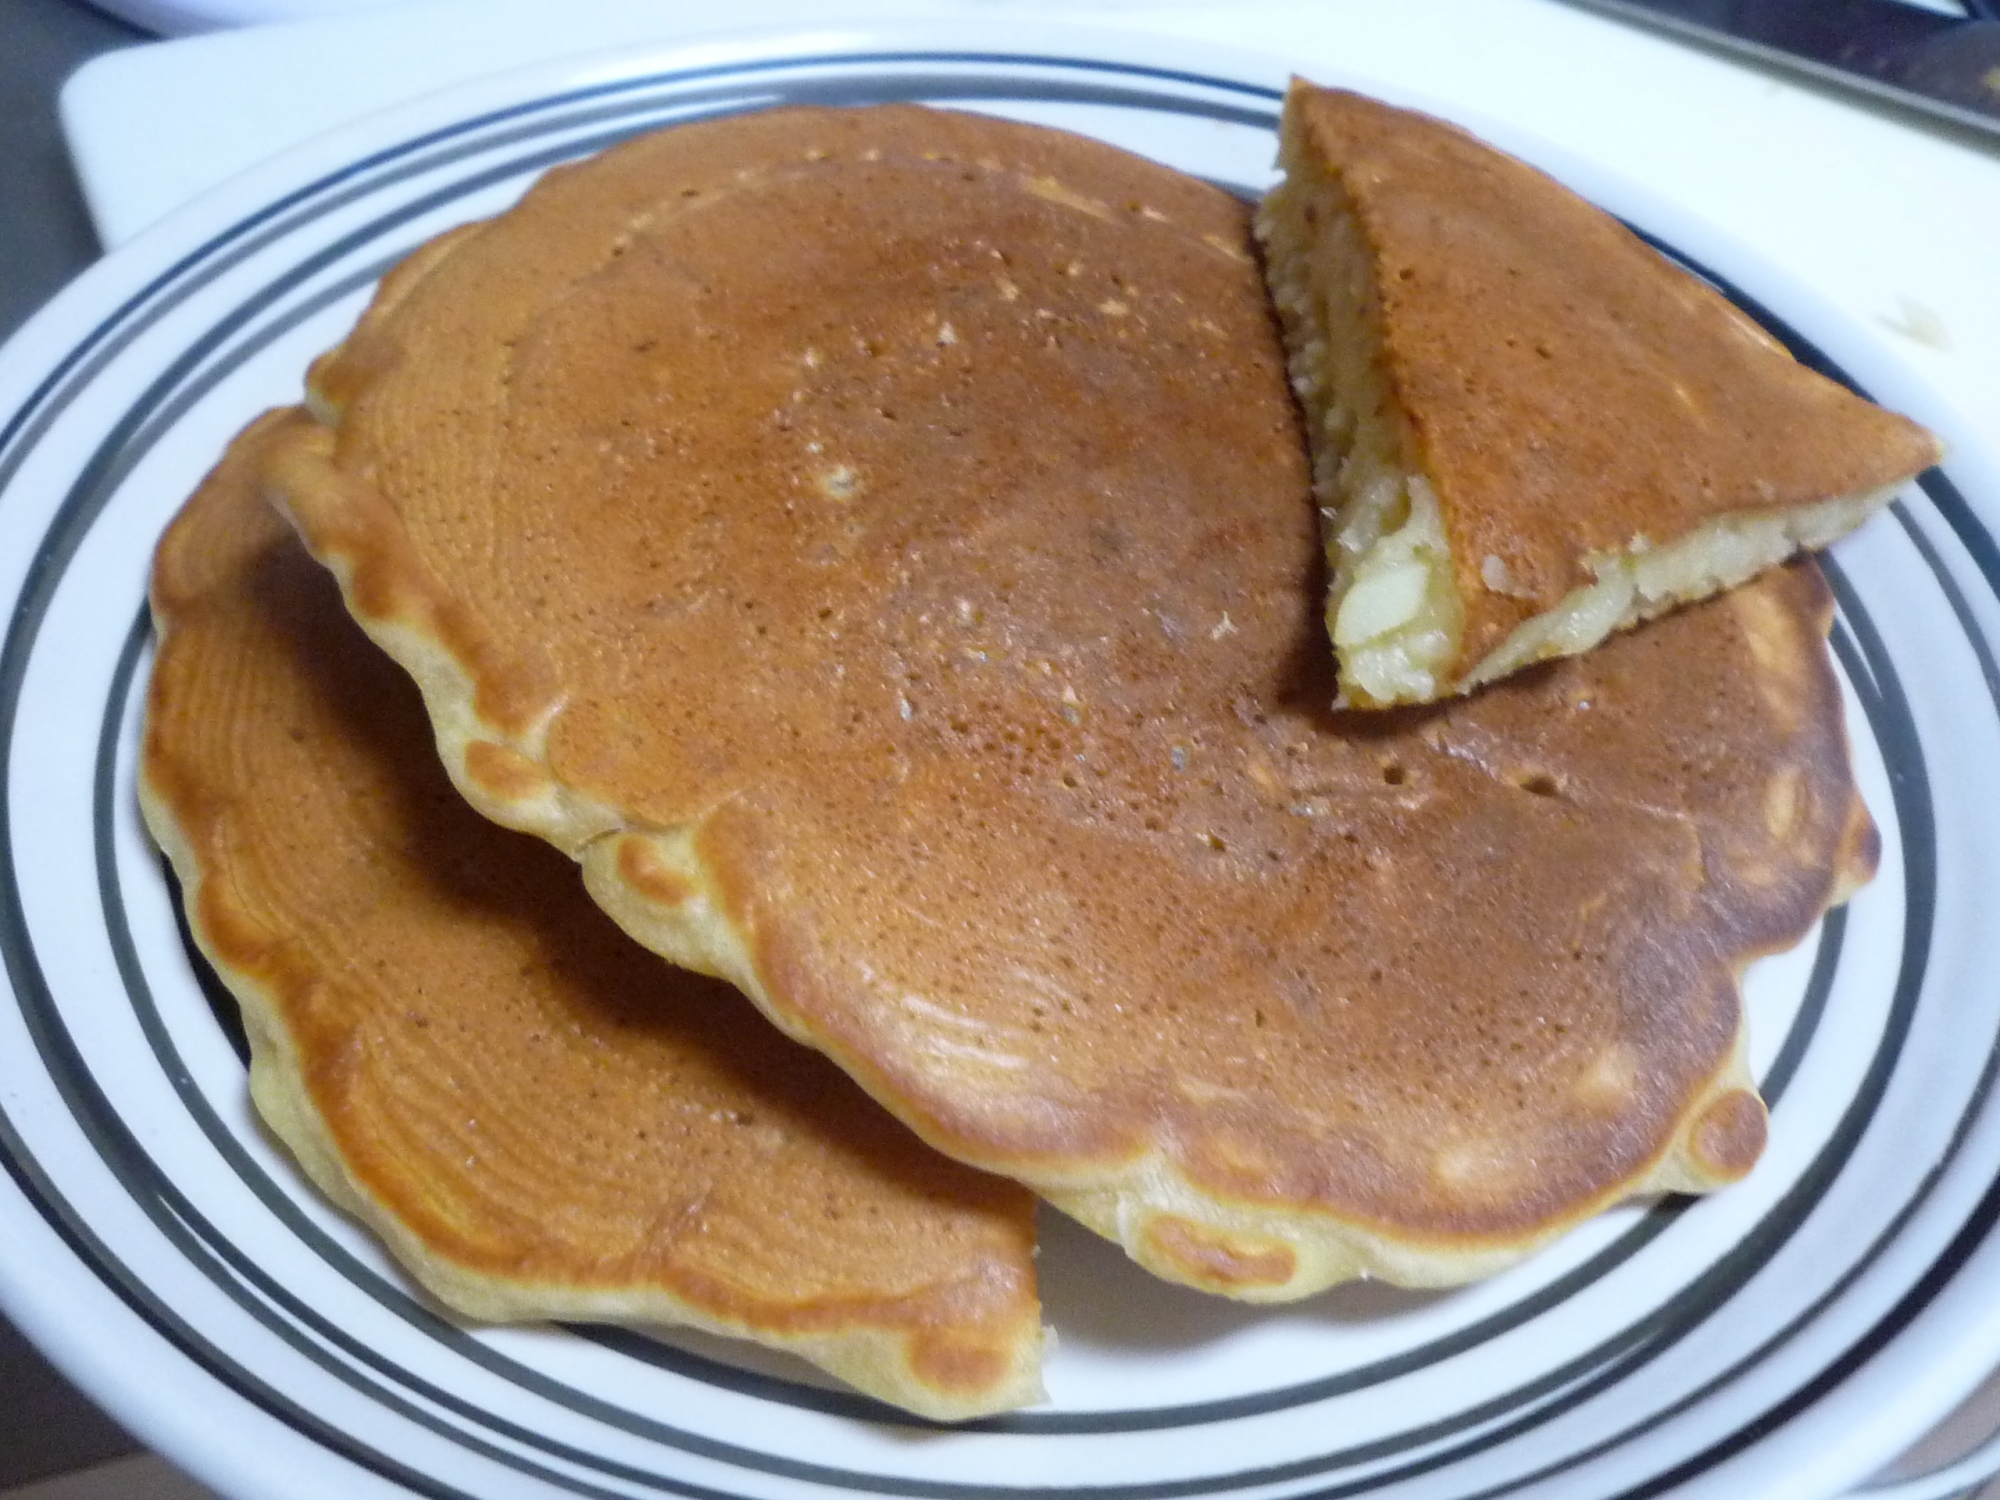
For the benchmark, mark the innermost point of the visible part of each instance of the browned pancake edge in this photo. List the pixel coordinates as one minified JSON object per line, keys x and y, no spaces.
{"x":1271,"y":996}
{"x":538,"y":1118}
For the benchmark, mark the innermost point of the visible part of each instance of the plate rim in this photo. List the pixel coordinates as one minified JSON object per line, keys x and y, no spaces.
{"x":1829,"y":325}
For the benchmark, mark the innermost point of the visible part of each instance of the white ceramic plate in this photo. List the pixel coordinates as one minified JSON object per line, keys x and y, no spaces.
{"x":1779,"y":1339}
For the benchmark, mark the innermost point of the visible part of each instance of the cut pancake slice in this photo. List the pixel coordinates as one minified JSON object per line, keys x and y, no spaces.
{"x":878,"y":544}
{"x":539,"y":1118}
{"x":1529,"y":429}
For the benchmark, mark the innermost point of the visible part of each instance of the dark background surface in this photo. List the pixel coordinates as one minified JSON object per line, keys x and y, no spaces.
{"x":45,"y":236}
{"x":45,"y":239}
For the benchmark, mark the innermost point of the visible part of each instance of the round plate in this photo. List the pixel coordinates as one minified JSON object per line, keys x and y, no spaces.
{"x":1780,"y":1338}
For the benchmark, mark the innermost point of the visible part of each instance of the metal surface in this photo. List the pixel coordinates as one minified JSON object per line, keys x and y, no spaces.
{"x":1948,"y":66}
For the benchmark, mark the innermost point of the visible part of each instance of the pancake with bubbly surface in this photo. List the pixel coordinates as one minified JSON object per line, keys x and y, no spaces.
{"x":1529,"y":429}
{"x":878,"y":544}
{"x":539,"y":1117}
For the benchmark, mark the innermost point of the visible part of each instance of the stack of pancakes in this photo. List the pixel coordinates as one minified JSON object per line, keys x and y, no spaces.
{"x":879,"y":546}
{"x":539,"y":1118}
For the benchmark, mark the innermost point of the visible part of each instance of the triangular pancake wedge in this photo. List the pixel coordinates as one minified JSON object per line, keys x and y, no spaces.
{"x":539,"y":1118}
{"x":1529,"y":429}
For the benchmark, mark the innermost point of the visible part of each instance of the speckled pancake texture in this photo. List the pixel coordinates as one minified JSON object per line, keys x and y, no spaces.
{"x":878,"y":544}
{"x":539,"y":1117}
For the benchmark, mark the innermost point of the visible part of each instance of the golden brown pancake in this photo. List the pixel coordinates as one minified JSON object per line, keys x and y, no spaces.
{"x":1530,"y":430}
{"x":878,"y":545}
{"x":538,"y":1117}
